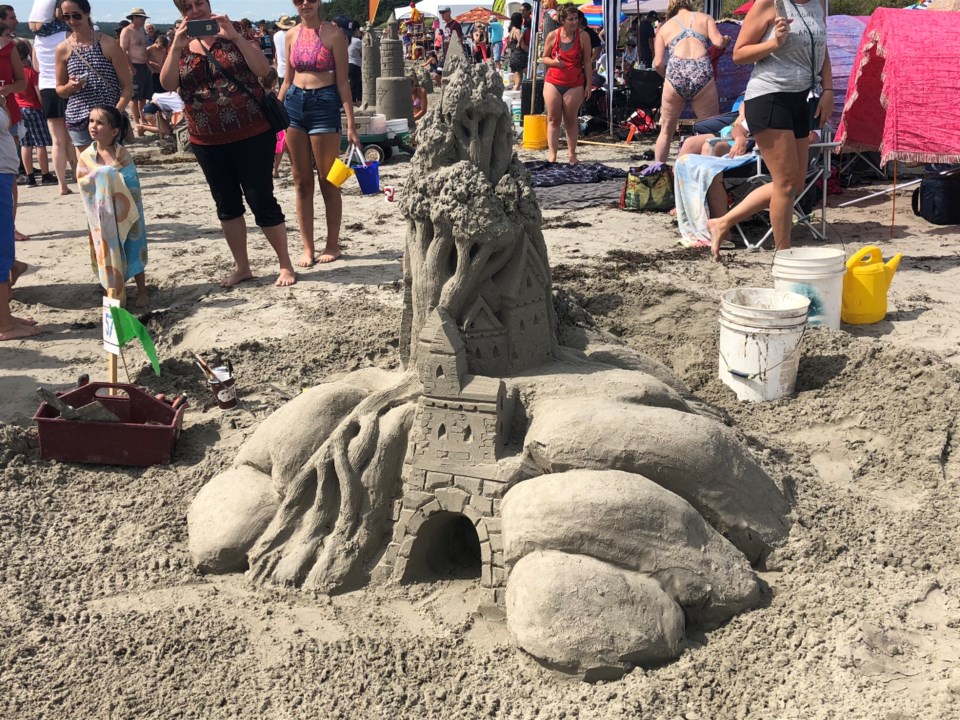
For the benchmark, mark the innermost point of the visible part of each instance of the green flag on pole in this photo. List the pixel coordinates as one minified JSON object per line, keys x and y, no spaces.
{"x":128,"y":327}
{"x":499,"y":7}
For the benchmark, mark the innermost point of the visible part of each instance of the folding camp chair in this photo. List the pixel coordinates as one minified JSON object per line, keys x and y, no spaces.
{"x":818,"y":169}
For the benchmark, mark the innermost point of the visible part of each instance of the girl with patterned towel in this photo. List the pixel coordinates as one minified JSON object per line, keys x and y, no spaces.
{"x":110,"y":190}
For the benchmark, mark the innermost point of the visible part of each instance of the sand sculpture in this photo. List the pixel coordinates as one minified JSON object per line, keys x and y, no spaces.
{"x":369,"y":69}
{"x":598,"y":507}
{"x":393,"y":87}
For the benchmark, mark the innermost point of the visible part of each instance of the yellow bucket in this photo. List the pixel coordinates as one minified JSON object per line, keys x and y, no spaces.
{"x":535,"y":132}
{"x":339,"y":173}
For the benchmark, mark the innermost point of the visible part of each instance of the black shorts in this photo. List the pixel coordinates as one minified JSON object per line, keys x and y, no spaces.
{"x":779,"y":111}
{"x":54,"y":106}
{"x":142,"y":82}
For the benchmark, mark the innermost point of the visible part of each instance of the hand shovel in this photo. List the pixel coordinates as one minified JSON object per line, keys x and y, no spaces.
{"x":92,"y":412}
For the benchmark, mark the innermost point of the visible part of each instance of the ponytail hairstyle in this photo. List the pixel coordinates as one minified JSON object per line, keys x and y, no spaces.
{"x":117,"y":121}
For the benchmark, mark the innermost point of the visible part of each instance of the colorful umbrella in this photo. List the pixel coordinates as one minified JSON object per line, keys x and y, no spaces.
{"x":479,"y":15}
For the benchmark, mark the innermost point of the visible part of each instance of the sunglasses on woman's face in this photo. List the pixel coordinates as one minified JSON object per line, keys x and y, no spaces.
{"x":76,"y":17}
{"x":304,"y":2}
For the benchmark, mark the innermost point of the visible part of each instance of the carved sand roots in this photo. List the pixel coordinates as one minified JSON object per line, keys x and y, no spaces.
{"x":609,"y":514}
{"x":327,"y":523}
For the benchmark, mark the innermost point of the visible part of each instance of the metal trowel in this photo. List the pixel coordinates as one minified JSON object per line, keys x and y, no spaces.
{"x":91,"y":412}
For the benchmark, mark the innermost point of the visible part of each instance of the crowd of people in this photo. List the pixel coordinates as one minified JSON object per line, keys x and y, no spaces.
{"x":76,"y":89}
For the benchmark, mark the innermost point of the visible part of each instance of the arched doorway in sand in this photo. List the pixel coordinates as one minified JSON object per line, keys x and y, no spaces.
{"x":446,"y":546}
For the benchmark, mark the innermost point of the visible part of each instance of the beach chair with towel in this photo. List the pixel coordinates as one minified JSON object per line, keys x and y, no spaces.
{"x":694,"y":173}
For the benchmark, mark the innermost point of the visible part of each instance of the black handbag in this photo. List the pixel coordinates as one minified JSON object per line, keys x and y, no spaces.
{"x":937,"y":200}
{"x":273,"y":110}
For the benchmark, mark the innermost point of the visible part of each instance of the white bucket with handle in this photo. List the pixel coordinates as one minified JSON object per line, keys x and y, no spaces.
{"x":761,"y":330}
{"x":816,"y":273}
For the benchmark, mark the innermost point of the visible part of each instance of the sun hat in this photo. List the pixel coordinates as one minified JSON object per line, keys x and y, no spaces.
{"x":285,"y":23}
{"x":137,"y":12}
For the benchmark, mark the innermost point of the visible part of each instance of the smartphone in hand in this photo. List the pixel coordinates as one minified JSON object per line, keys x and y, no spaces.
{"x":781,"y":8}
{"x":206,"y":28}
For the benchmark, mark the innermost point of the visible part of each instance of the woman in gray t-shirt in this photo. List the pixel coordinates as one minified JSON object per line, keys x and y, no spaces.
{"x":791,"y":63}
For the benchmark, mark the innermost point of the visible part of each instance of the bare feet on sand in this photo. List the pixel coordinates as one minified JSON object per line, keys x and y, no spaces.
{"x":328,"y":256}
{"x":717,"y":235}
{"x":19,"y":330}
{"x":18,"y":269}
{"x":306,"y":260}
{"x":572,"y":159}
{"x":66,"y":191}
{"x":24,"y":321}
{"x":286,"y":278}
{"x":19,"y":236}
{"x":551,"y":157}
{"x":142,"y":300}
{"x":235,"y":278}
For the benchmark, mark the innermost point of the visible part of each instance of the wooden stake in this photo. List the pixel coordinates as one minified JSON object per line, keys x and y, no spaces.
{"x":612,"y":146}
{"x":893,"y":216}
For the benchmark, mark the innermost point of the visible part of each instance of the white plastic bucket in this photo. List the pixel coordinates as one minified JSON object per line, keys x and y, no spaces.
{"x":396,"y":127}
{"x":378,"y":124}
{"x":816,"y":273}
{"x":512,"y":99}
{"x":517,"y":111}
{"x":760,"y":334}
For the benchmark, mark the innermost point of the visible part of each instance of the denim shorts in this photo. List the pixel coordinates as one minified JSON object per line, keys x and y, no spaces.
{"x":314,"y":111}
{"x":80,"y":137}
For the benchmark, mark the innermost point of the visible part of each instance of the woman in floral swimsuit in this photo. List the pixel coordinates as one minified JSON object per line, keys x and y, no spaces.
{"x":687,"y":35}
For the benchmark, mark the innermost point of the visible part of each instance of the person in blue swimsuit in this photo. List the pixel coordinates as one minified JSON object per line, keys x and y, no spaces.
{"x":686,"y":36}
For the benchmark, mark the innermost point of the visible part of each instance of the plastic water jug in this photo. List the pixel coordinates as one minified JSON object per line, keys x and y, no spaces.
{"x":865,"y":286}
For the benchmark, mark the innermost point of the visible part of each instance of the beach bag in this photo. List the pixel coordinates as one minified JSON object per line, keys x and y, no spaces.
{"x":937,"y":200}
{"x":645,"y":191}
{"x":273,"y":110}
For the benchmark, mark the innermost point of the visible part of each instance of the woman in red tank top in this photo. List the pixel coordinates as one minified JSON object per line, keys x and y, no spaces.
{"x":566,"y":55}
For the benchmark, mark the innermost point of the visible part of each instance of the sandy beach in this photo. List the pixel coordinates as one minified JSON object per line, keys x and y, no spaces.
{"x":103,"y":616}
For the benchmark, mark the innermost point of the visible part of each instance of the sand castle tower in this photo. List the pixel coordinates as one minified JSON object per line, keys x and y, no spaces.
{"x":393,"y":87}
{"x":370,"y":69}
{"x":595,"y":504}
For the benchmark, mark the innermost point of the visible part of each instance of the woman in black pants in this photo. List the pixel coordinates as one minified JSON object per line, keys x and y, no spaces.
{"x":231,"y":138}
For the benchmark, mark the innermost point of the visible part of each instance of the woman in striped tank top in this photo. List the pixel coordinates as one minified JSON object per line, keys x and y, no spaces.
{"x":92,"y":70}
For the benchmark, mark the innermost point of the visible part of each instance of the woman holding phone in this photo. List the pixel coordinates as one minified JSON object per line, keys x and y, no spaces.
{"x":315,"y":90}
{"x":92,"y":69}
{"x":790,"y":93}
{"x":216,"y":70}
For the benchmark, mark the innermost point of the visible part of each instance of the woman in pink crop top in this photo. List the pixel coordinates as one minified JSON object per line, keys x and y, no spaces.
{"x":315,"y":88}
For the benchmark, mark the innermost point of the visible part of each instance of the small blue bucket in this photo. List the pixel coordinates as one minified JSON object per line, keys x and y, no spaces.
{"x":369,"y":177}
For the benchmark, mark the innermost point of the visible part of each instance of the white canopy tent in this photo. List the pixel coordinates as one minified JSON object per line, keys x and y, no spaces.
{"x":432,"y":8}
{"x":630,"y":7}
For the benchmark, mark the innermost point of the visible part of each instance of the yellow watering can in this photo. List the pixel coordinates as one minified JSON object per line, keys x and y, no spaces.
{"x":865,"y":286}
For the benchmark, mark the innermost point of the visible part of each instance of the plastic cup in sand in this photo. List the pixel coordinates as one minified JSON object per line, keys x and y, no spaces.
{"x":223,"y":387}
